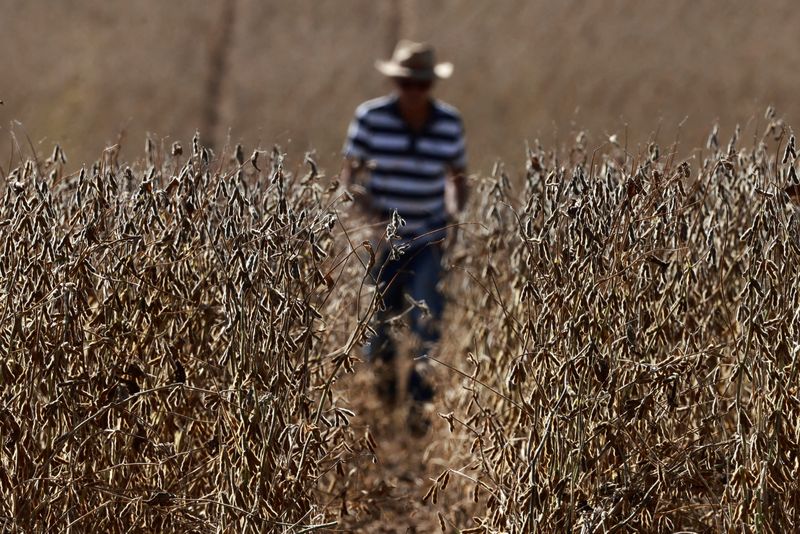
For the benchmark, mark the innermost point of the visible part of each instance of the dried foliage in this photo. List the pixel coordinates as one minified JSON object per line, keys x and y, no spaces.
{"x":622,"y":348}
{"x":164,"y":362}
{"x":634,"y":352}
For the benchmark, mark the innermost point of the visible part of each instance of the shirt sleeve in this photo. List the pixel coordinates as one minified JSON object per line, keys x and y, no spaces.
{"x":358,"y":145}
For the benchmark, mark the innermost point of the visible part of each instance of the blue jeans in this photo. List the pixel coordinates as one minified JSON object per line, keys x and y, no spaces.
{"x":416,"y":273}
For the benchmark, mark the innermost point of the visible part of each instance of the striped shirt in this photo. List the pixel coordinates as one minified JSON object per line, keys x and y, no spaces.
{"x":408,"y":168}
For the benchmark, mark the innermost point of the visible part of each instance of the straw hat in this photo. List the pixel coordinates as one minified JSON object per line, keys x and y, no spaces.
{"x":416,"y":61}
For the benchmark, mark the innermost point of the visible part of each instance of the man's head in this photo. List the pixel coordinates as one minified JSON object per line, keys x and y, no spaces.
{"x":414,"y":70}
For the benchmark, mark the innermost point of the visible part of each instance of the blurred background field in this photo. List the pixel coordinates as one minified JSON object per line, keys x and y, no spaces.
{"x":79,"y":72}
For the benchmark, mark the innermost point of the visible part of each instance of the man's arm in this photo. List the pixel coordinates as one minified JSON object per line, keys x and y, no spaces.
{"x":348,"y":182}
{"x":458,"y":191}
{"x":459,"y":177}
{"x":346,"y":174}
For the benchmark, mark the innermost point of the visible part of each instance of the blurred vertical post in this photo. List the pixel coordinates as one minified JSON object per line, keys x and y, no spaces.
{"x":394,"y":23}
{"x":400,"y":22}
{"x":218,"y":54}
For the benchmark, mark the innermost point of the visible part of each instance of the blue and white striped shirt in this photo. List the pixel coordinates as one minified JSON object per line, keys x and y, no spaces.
{"x":408,"y":168}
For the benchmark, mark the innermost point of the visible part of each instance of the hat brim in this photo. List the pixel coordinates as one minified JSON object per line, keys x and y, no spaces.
{"x":441,"y":71}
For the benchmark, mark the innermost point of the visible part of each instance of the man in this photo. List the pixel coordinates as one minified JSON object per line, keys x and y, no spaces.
{"x":411,"y":147}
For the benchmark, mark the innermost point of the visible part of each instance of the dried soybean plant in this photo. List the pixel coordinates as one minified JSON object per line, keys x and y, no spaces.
{"x":633,"y":358}
{"x":163,"y":354}
{"x":172,"y":332}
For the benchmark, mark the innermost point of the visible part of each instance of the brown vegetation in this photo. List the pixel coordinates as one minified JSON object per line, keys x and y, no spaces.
{"x":633,"y":342}
{"x":166,"y":365}
{"x":178,"y":337}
